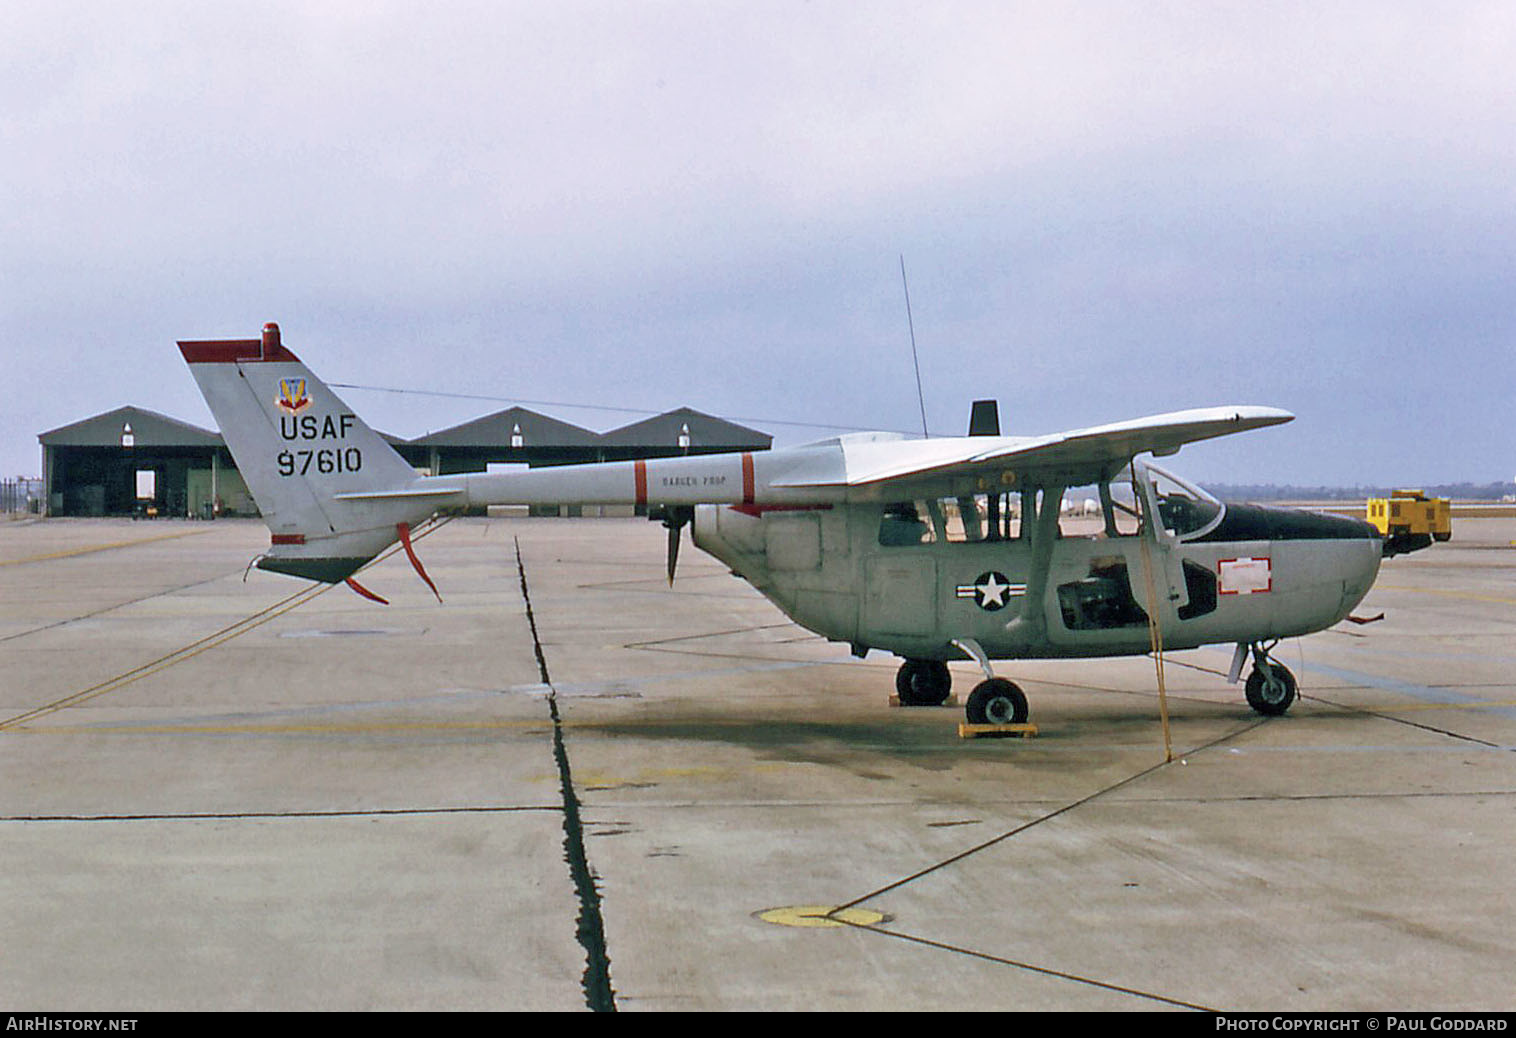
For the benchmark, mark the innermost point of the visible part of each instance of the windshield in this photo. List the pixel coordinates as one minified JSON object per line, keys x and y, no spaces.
{"x":1185,"y":509}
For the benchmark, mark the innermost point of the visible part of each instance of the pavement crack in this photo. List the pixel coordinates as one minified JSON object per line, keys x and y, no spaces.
{"x":596,"y":982}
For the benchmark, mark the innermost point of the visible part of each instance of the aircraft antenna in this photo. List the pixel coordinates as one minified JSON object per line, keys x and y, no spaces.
{"x":920,"y":398}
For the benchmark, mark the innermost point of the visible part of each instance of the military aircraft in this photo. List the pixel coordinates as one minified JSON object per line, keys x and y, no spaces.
{"x":931,"y":549}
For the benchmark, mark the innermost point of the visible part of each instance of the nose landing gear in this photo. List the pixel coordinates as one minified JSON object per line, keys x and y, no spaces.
{"x":1270,"y":687}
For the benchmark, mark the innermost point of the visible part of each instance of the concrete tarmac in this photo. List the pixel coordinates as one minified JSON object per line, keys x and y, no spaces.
{"x":570,"y":787}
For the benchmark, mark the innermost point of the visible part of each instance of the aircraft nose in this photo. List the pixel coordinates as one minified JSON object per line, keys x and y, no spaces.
{"x":1362,"y":551}
{"x":1347,"y":550}
{"x":1357,"y":553}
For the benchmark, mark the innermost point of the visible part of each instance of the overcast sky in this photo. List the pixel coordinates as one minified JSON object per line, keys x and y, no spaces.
{"x":1105,"y":210}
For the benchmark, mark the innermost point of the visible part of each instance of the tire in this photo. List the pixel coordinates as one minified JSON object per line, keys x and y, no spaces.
{"x":923,"y":683}
{"x":996,"y":701}
{"x":1271,"y":698}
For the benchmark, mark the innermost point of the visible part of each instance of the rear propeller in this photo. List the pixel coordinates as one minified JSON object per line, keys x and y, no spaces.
{"x":674,"y":519}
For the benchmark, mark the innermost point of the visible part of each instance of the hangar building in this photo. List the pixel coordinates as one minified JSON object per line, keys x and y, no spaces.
{"x":130,"y":460}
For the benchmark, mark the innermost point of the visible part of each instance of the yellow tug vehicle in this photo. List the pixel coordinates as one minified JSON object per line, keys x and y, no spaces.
{"x":1409,"y":520}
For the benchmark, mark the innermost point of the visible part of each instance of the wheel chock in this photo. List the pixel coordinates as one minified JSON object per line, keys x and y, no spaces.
{"x":951,"y":700}
{"x":1003,"y":731}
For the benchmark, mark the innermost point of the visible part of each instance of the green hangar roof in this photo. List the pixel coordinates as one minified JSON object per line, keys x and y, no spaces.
{"x":503,"y":427}
{"x":130,"y":426}
{"x":686,"y":427}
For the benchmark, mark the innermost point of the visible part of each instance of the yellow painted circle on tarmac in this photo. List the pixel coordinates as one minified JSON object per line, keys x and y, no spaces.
{"x":820,"y":915}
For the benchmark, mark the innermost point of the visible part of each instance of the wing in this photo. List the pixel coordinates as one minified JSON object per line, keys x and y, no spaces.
{"x":1074,"y":458}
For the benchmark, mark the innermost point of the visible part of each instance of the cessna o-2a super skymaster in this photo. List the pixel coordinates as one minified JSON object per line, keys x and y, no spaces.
{"x":932,"y":549}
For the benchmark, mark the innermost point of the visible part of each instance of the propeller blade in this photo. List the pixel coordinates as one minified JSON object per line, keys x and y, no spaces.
{"x":674,"y":517}
{"x":674,"y":529}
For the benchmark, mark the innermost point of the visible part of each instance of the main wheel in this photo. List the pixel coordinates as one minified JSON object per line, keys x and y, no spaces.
{"x":996,"y":701}
{"x":1271,"y":691}
{"x":923,"y":683}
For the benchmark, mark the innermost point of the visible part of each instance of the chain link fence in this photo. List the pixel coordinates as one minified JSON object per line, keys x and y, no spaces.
{"x":21,"y":496}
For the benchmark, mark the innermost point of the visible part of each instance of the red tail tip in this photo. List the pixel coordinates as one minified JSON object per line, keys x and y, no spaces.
{"x":270,"y":338}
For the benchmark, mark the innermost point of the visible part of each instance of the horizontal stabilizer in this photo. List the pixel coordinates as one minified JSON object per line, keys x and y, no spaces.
{"x":412,"y":492}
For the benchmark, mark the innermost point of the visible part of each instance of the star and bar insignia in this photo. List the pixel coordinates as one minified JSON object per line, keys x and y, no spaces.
{"x":991,"y":591}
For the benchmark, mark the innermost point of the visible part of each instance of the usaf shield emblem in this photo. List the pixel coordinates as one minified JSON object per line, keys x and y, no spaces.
{"x":292,"y":398}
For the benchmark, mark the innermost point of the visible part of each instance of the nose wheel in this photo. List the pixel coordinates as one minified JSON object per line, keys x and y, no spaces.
{"x":1270,"y":687}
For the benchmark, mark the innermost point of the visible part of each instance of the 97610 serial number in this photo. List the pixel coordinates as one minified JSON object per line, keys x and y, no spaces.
{"x":326,"y":461}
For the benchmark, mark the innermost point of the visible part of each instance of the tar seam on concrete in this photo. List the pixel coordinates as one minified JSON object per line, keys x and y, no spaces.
{"x":598,"y":992}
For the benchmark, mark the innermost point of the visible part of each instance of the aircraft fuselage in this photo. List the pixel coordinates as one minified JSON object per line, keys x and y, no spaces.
{"x":872,"y":575}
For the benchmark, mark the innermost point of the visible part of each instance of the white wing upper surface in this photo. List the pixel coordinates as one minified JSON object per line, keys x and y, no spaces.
{"x":867,"y":461}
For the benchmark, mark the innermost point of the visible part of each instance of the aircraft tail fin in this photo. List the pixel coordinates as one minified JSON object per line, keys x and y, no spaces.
{"x":332,"y":491}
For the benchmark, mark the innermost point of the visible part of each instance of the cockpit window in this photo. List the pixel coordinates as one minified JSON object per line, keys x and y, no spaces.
{"x":1184,"y":509}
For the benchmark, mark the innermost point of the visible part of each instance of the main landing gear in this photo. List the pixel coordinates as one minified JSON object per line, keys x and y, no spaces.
{"x":923,"y":683}
{"x":1270,"y":687}
{"x":993,"y":701}
{"x":996,"y":701}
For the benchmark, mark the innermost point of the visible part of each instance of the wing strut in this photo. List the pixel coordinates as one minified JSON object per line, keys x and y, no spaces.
{"x":1149,"y":534}
{"x":1032,"y":622}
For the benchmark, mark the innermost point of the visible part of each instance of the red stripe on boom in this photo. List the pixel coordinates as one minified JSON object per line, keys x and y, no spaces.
{"x":747,"y":479}
{"x":639,"y":470}
{"x":287,"y":538}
